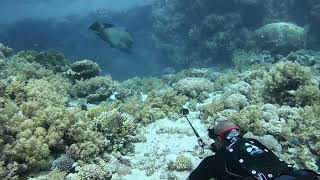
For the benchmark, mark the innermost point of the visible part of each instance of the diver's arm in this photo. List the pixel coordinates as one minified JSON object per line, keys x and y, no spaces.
{"x":210,"y":167}
{"x":206,"y":143}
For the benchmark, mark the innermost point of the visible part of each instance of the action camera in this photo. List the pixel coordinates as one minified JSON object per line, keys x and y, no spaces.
{"x":184,"y":111}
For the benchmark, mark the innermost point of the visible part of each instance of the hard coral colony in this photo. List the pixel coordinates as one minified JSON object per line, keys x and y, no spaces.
{"x":61,"y":120}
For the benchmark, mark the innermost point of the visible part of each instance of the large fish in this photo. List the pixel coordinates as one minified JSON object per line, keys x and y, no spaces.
{"x":116,"y":37}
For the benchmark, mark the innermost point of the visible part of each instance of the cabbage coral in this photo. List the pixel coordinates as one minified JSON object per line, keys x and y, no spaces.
{"x":96,"y":89}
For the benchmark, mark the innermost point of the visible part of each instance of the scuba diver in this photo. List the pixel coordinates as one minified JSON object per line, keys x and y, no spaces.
{"x":238,"y":158}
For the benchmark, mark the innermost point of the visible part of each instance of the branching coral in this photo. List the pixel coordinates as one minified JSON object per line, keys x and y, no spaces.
{"x":140,"y":110}
{"x":22,"y":69}
{"x":31,"y":141}
{"x":37,"y":122}
{"x":285,"y":84}
{"x":168,"y":101}
{"x":157,"y":104}
{"x":50,"y":60}
{"x":250,"y":119}
{"x":244,"y":60}
{"x":309,"y":127}
{"x":52,"y":91}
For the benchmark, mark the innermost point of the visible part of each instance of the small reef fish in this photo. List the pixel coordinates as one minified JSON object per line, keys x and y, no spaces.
{"x":116,"y":37}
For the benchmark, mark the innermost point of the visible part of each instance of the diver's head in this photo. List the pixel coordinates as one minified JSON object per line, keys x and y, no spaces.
{"x":223,"y":131}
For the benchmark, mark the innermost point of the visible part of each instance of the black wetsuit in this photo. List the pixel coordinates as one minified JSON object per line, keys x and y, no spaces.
{"x":245,"y":156}
{"x":213,"y":167}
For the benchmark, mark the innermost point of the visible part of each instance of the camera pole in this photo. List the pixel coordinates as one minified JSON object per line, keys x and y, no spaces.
{"x":196,"y":133}
{"x":194,"y":130}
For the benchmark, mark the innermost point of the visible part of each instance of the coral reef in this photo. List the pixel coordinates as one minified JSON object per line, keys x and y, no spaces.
{"x":280,"y":37}
{"x":55,"y":174}
{"x":84,"y":69}
{"x":290,"y":118}
{"x":245,"y":61}
{"x":96,"y":89}
{"x":202,"y":37}
{"x":72,"y":121}
{"x":118,"y":128}
{"x":63,"y":163}
{"x":196,"y":88}
{"x":5,"y":51}
{"x":182,"y":163}
{"x":203,"y":32}
{"x":143,"y":85}
{"x":305,"y":57}
{"x":291,"y":84}
{"x":93,"y":171}
{"x":36,"y":123}
{"x":54,"y":61}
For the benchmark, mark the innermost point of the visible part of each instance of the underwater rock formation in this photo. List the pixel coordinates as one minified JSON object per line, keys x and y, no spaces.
{"x":281,"y":37}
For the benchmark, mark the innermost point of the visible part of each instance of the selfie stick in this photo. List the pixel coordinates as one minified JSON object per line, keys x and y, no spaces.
{"x":194,"y":130}
{"x":196,"y":133}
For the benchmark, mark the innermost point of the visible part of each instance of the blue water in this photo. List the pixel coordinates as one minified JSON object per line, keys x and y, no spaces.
{"x":64,"y":27}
